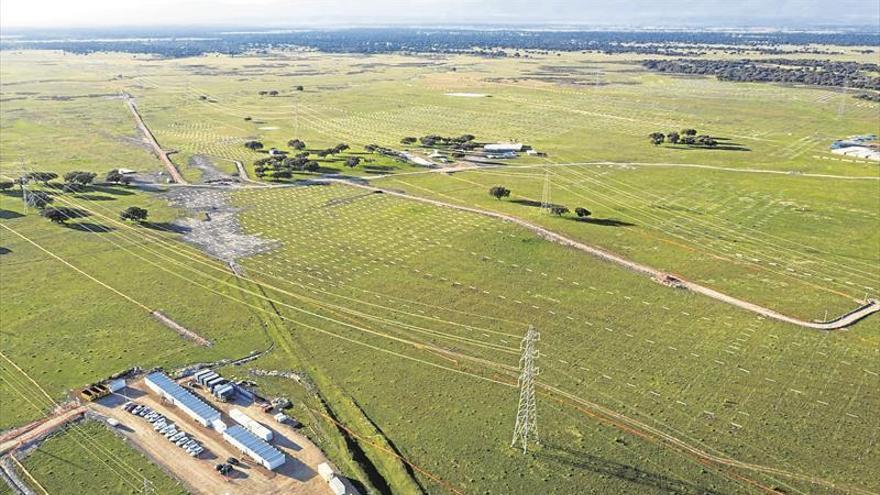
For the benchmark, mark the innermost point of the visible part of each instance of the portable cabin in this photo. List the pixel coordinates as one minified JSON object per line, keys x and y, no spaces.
{"x":255,"y":448}
{"x":326,"y":471}
{"x":250,"y":424}
{"x":337,"y":486}
{"x":116,"y":385}
{"x":213,"y":381}
{"x":197,"y":376}
{"x":224,"y":392}
{"x":207,"y":376}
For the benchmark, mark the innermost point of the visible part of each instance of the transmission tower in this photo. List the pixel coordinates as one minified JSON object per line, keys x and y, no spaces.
{"x":841,"y":106}
{"x":545,"y":196}
{"x":526,"y":427}
{"x":23,"y":184}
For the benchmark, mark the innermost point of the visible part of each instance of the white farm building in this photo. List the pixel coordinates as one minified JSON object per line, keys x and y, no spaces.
{"x":255,"y":448}
{"x":503,"y":147}
{"x":169,"y":390}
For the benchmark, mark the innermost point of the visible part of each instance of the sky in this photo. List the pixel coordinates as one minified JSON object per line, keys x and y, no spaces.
{"x":329,"y":13}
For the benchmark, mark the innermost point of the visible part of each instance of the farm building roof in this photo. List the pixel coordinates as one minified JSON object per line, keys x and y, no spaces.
{"x":253,"y":443}
{"x":182,"y":397}
{"x":503,"y":147}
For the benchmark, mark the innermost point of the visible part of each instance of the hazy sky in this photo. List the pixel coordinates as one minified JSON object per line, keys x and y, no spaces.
{"x":277,"y":13}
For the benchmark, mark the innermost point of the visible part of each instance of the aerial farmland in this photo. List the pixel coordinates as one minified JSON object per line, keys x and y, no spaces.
{"x":291,"y":267}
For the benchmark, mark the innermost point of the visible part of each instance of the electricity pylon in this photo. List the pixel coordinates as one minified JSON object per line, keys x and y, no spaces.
{"x":526,"y":427}
{"x":545,"y":195}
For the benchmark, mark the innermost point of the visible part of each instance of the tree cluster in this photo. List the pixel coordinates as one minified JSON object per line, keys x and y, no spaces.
{"x":687,"y":137}
{"x":339,"y":148}
{"x":79,"y":177}
{"x":117,"y":177}
{"x":499,"y":192}
{"x":812,"y":72}
{"x":283,"y":167}
{"x":463,"y":142}
{"x":134,"y":214}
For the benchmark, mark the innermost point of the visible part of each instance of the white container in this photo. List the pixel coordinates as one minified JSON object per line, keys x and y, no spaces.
{"x":326,"y":471}
{"x":337,"y":486}
{"x":251,"y":425}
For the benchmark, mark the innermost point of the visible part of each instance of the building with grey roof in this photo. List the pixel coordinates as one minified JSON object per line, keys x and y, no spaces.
{"x":169,"y":390}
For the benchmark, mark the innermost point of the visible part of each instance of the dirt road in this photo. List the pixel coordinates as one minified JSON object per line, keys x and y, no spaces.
{"x":39,"y":429}
{"x":162,"y":154}
{"x":870,"y":306}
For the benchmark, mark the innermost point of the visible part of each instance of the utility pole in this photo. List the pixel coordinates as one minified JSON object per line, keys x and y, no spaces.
{"x":526,"y":427}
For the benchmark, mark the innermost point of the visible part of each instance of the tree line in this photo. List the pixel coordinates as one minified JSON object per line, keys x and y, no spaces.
{"x":74,"y":181}
{"x":189,"y":42}
{"x":812,"y":72}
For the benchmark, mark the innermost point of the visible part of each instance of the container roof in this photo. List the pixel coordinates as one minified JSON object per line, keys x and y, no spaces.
{"x":256,"y":445}
{"x":183,"y":397}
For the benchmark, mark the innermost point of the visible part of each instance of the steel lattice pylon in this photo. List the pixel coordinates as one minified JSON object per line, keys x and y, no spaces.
{"x":526,"y":427}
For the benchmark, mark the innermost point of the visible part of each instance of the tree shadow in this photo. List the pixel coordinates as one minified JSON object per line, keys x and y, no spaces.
{"x":116,"y":190}
{"x":532,"y":203}
{"x":93,"y":228}
{"x":11,"y":192}
{"x":624,"y":472}
{"x":5,"y":250}
{"x":9,"y":214}
{"x":95,"y":197}
{"x":605,"y":222}
{"x":167,"y":227}
{"x":378,"y":168}
{"x":72,"y":213}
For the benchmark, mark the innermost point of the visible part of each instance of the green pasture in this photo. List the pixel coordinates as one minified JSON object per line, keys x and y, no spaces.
{"x":408,"y":316}
{"x":85,"y":457}
{"x":799,"y":245}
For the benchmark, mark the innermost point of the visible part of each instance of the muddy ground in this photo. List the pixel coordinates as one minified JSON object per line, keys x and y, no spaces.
{"x":213,"y":225}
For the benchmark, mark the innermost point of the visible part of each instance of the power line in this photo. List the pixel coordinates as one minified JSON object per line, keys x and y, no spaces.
{"x":526,"y":427}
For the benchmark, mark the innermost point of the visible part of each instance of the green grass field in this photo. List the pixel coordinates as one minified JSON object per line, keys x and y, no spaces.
{"x":408,"y":317}
{"x":87,"y":458}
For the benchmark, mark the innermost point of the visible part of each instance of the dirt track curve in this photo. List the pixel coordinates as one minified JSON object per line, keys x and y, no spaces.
{"x":162,"y":154}
{"x":870,"y":306}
